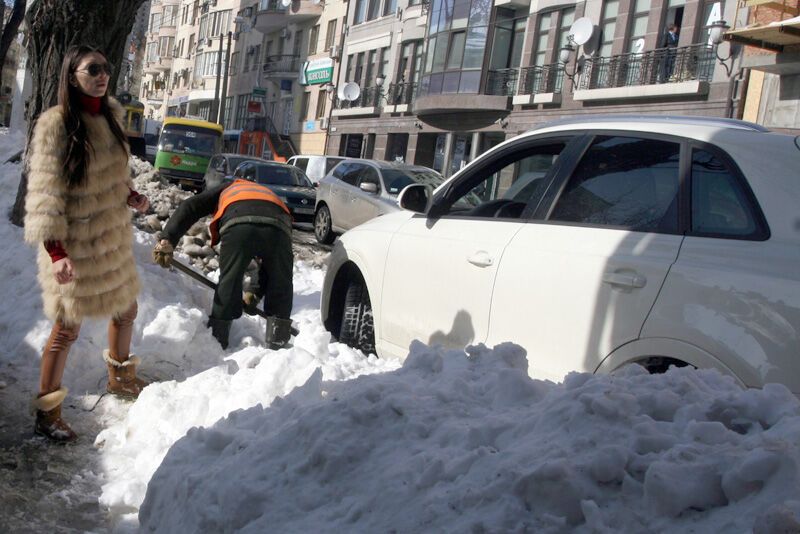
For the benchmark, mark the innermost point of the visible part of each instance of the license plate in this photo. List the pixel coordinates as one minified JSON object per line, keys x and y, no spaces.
{"x":304,"y":211}
{"x":187,"y":182}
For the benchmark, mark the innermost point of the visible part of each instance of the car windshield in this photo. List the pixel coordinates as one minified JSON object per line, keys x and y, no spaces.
{"x":396,"y":179}
{"x":282,"y":175}
{"x":182,"y":141}
{"x":234,"y":162}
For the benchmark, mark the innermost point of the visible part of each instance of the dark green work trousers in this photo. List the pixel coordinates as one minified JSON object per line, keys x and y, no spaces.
{"x":239,"y":245}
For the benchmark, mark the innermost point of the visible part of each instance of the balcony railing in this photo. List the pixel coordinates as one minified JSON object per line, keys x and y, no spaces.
{"x":663,"y":65}
{"x":502,"y":82}
{"x":271,"y":6}
{"x":401,"y":93}
{"x":538,"y":79}
{"x":154,"y":95}
{"x":369,"y":97}
{"x":283,"y":63}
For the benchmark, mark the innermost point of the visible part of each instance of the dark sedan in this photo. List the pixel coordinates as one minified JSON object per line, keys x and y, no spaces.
{"x":287,"y":181}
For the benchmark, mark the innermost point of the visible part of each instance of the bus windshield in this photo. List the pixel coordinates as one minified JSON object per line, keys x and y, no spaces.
{"x":188,"y":140}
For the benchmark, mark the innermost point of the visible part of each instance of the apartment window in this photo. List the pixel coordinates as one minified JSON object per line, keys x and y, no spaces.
{"x":152,"y":51}
{"x":370,"y":77}
{"x":229,"y":119}
{"x":358,"y":74}
{"x":256,"y":56}
{"x":298,"y":40}
{"x":195,"y":9}
{"x":639,"y":19}
{"x":198,"y":65}
{"x":374,"y":9}
{"x":241,"y":110}
{"x":384,"y":68}
{"x":455,"y":53}
{"x":219,"y":23}
{"x":330,"y":36}
{"x":608,"y":26}
{"x":165,"y":46}
{"x":389,"y":7}
{"x":321,"y":97}
{"x":185,"y":14}
{"x":190,"y":50}
{"x":210,"y":64}
{"x":203,"y":27}
{"x":234,"y":64}
{"x":543,"y":36}
{"x":247,"y":58}
{"x":204,"y":110}
{"x":304,"y":105}
{"x":349,"y":72}
{"x":155,"y":22}
{"x":170,"y":16}
{"x":567,"y":18}
{"x":313,"y":37}
{"x":410,"y":64}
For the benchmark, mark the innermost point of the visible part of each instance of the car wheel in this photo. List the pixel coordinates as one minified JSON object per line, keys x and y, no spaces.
{"x":357,"y":328}
{"x":322,"y":226}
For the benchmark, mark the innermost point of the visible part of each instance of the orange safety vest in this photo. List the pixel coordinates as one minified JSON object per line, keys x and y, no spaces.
{"x":241,"y":190}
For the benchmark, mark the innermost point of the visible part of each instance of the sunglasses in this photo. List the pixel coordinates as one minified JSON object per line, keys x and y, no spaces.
{"x":95,"y":69}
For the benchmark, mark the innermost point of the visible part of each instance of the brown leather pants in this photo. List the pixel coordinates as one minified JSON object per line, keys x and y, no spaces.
{"x":62,"y":336}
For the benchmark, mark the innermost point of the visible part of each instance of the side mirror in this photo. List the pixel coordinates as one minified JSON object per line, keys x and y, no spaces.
{"x":414,"y":197}
{"x":368,"y":187}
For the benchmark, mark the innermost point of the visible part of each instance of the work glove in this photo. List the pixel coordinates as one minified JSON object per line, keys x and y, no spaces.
{"x":162,"y":253}
{"x":250,"y":300}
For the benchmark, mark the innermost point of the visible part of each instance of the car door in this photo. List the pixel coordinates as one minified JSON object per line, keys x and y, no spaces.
{"x":345,"y":178}
{"x":579,"y":280}
{"x":440,"y":270}
{"x":348,"y":193}
{"x":363,"y":205}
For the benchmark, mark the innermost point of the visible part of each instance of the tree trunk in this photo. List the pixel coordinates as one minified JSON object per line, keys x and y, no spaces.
{"x":11,"y":28}
{"x":54,"y":26}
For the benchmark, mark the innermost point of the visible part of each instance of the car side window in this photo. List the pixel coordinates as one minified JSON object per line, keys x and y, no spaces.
{"x":510,"y":184}
{"x":331,"y":163}
{"x":369,"y":175}
{"x":630,"y":182}
{"x":341,"y":170}
{"x":351,"y":174}
{"x":721,"y":206}
{"x":301,"y":163}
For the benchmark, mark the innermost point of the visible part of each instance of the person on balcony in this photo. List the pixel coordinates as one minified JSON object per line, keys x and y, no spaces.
{"x":670,"y":45}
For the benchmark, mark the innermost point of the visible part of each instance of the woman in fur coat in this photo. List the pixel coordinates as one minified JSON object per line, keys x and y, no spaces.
{"x":77,"y":213}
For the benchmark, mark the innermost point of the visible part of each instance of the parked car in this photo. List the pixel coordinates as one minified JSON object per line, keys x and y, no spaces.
{"x":315,"y":167}
{"x":222,"y":166}
{"x":288,"y":182}
{"x":357,"y":190}
{"x":646,"y":240}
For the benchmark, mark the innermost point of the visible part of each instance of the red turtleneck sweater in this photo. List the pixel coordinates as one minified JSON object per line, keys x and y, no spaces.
{"x":91,"y":105}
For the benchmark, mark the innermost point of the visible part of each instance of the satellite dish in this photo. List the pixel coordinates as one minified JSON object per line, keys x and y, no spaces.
{"x":286,"y":3}
{"x":351,"y":91}
{"x":581,"y":30}
{"x":638,"y":46}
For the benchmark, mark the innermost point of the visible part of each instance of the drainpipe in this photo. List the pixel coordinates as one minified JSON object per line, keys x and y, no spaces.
{"x":345,"y":27}
{"x":732,"y":101}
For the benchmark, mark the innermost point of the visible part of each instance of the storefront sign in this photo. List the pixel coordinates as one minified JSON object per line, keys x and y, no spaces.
{"x":309,"y":126}
{"x":260,"y":92}
{"x":253,"y":106}
{"x":317,"y":72}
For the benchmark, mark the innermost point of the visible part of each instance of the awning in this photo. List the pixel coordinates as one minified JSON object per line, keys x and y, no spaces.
{"x":773,"y":36}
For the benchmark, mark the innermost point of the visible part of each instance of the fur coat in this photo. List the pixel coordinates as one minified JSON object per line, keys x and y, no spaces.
{"x":92,"y":221}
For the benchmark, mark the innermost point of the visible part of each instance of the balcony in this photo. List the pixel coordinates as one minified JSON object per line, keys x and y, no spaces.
{"x":164,"y":63}
{"x":656,"y":73}
{"x":154,"y":96}
{"x":540,"y":84}
{"x":270,"y":16}
{"x":502,"y":82}
{"x":367,"y":103}
{"x":281,"y":66}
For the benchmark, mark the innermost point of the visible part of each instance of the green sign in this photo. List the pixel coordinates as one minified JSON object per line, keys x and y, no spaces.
{"x":260,"y":91}
{"x":317,"y":72}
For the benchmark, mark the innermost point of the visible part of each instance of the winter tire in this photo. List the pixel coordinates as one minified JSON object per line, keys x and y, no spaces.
{"x":357,"y":329}
{"x":322,"y":226}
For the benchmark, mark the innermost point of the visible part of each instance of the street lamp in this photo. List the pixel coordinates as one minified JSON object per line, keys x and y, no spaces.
{"x":564,"y":56}
{"x":715,"y":32}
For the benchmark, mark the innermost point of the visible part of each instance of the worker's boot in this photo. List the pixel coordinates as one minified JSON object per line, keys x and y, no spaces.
{"x":279,"y":332}
{"x":122,"y":380}
{"x":48,"y":417}
{"x":220,"y":329}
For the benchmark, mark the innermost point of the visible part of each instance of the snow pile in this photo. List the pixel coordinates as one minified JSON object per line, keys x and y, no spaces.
{"x":455,"y":444}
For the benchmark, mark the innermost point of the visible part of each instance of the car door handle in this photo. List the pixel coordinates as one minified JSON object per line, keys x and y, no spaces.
{"x":625,"y":280}
{"x":481,"y":259}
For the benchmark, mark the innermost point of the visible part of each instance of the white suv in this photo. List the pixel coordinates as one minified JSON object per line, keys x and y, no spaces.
{"x":593,"y":244}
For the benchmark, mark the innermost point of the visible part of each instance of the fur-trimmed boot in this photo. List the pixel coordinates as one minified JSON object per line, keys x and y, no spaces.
{"x":122,"y":380}
{"x":279,"y":332}
{"x":48,"y":417}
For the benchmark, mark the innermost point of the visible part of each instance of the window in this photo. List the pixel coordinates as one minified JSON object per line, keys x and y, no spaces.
{"x":361,"y":12}
{"x":304,"y":105}
{"x":721,"y":206}
{"x":170,"y":16}
{"x":229,"y":119}
{"x":155,"y":22}
{"x":191,"y":45}
{"x":330,"y":35}
{"x":567,"y":18}
{"x":203,"y":28}
{"x":348,"y":173}
{"x":313,"y":37}
{"x":349,"y":71}
{"x":503,"y":189}
{"x":165,"y":45}
{"x":152,"y":51}
{"x":359,"y":69}
{"x":369,"y":175}
{"x":185,"y":14}
{"x":195,"y":9}
{"x":219,"y":23}
{"x":389,"y":7}
{"x":321,"y":96}
{"x":624,"y":181}
{"x":297,"y":44}
{"x":608,"y":27}
{"x":204,"y":110}
{"x":540,"y":58}
{"x":301,"y":163}
{"x":198,"y":65}
{"x":638,"y":23}
{"x":241,"y":110}
{"x":384,"y":67}
{"x":456,"y":50}
{"x":370,"y":77}
{"x":374,"y":9}
{"x":234,"y":64}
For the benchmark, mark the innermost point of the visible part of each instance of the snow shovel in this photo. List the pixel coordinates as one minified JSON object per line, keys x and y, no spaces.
{"x":250,"y":310}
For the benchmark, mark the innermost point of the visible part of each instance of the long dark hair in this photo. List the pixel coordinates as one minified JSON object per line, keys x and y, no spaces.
{"x":78,"y":144}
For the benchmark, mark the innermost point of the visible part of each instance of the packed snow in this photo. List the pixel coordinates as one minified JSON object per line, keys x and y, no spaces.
{"x":320,"y":438}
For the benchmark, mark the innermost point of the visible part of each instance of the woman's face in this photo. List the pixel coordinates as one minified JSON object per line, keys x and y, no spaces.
{"x":92,"y":75}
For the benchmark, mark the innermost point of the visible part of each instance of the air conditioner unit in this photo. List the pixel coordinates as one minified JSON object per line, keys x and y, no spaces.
{"x":323,"y":123}
{"x":334,"y":52}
